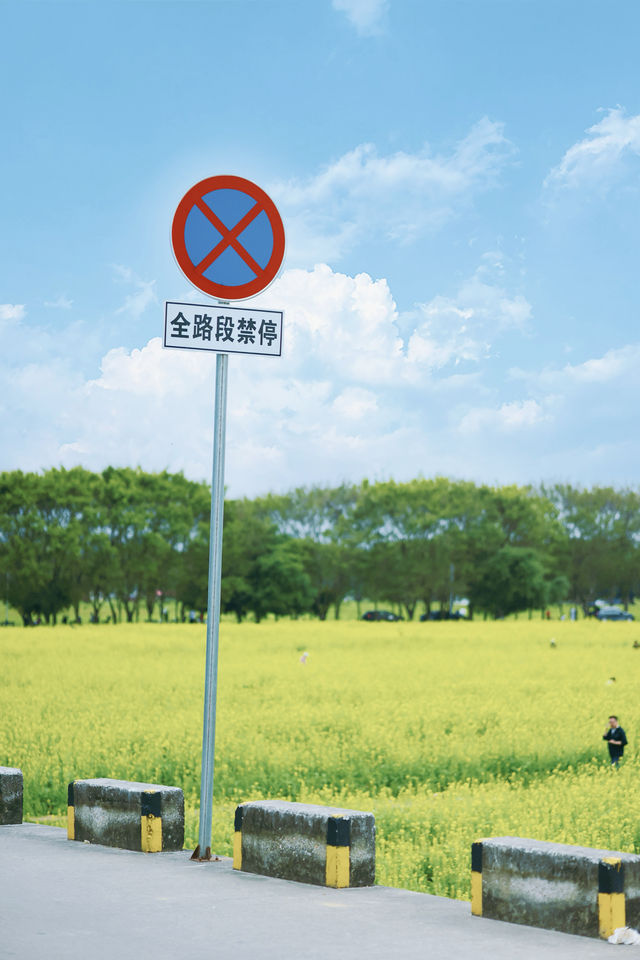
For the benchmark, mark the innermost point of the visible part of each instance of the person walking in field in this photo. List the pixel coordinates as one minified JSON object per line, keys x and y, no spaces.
{"x":617,"y":740}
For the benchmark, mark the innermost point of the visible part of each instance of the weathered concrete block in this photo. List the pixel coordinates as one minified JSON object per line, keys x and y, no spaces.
{"x":10,"y":795}
{"x":574,"y":889}
{"x":329,"y":846}
{"x":119,"y":813}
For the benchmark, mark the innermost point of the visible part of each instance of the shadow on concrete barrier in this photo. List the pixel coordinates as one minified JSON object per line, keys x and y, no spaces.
{"x":329,"y":846}
{"x":118,"y":813}
{"x":556,"y":886}
{"x":11,"y":793}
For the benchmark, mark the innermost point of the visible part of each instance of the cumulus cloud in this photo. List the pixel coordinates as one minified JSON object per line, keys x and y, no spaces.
{"x":12,"y":311}
{"x":350,"y":396}
{"x":354,"y":403}
{"x":622,"y":362}
{"x":142,"y":295}
{"x":588,"y":412}
{"x":594,"y":159}
{"x":618,"y":365}
{"x":508,"y":417}
{"x":366,"y":15}
{"x":60,"y":303}
{"x":339,"y":325}
{"x":464,"y":327}
{"x":399,"y":196}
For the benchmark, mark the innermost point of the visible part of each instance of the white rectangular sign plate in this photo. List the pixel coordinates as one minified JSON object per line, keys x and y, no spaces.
{"x":220,"y":329}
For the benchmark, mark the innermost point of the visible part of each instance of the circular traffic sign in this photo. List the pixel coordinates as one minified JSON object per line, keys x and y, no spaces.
{"x":228,"y":237}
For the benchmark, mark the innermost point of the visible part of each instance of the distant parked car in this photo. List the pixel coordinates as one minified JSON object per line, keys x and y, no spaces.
{"x":380,"y":615}
{"x":613,"y":613}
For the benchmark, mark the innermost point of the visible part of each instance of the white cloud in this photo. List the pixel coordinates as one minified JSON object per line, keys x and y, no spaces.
{"x":350,"y":395}
{"x":354,"y":403}
{"x":124,"y":273}
{"x":60,"y":303}
{"x":508,"y":417}
{"x":464,"y":327}
{"x":12,"y":311}
{"x":597,"y":156}
{"x":617,"y":365}
{"x":400,"y":196}
{"x":339,"y":325}
{"x":365,"y":15}
{"x":142,"y":296}
{"x":611,"y":366}
{"x":348,"y":399}
{"x":589,"y":413}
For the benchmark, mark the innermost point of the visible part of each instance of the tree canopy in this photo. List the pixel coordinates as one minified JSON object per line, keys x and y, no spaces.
{"x":125,"y":540}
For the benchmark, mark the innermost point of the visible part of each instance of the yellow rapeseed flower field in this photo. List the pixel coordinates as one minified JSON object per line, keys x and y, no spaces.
{"x":446,"y":731}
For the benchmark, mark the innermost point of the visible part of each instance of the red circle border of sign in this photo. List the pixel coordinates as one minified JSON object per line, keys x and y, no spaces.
{"x":219,"y":290}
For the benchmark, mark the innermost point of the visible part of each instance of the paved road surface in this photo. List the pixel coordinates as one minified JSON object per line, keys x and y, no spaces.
{"x":60,"y":900}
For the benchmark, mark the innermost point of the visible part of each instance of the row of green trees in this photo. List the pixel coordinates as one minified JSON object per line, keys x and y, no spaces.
{"x":124,"y":540}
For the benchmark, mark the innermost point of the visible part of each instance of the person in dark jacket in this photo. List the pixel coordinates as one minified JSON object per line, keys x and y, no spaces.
{"x":617,"y":740}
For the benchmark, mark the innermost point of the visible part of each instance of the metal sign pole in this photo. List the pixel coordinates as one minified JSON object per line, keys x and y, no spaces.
{"x":213,"y":610}
{"x":189,"y":326}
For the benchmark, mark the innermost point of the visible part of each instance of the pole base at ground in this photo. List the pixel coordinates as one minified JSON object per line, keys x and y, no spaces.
{"x":207,"y":856}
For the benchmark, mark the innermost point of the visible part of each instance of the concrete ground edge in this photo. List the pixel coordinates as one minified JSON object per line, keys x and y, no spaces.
{"x":59,"y":896}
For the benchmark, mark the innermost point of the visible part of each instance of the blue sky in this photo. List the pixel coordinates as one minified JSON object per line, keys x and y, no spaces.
{"x":459,"y":184}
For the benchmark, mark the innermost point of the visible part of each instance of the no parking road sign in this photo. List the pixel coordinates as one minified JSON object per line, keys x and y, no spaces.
{"x":228,"y":237}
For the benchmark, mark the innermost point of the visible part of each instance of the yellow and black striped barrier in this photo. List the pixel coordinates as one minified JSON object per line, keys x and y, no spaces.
{"x":151,"y":821}
{"x":303,"y":842}
{"x":556,"y":886}
{"x":476,"y":878}
{"x":338,"y":850}
{"x":237,"y":838}
{"x":118,"y":813}
{"x":611,"y":897}
{"x":71,"y":819}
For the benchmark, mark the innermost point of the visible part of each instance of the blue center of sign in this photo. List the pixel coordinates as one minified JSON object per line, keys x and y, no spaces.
{"x":202,"y":236}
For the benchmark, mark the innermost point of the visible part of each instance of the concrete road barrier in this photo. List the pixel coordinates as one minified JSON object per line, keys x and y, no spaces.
{"x":11,"y":790}
{"x":556,"y":886}
{"x":329,"y":846}
{"x":118,"y":813}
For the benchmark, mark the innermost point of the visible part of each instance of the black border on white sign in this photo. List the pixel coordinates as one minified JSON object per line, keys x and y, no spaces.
{"x":220,"y":349}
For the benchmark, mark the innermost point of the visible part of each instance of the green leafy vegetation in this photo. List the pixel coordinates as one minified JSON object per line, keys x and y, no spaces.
{"x":120,"y":543}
